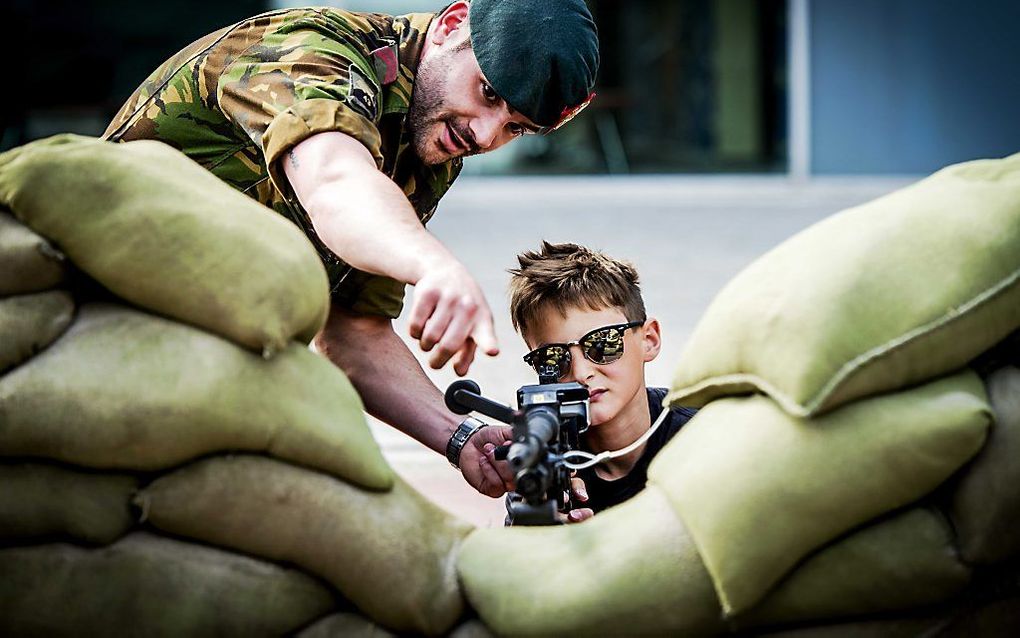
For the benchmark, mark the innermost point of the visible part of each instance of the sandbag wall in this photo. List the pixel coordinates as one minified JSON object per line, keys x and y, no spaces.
{"x":850,"y":458}
{"x":173,"y":459}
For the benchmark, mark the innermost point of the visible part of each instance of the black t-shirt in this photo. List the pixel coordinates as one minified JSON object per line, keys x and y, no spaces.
{"x":604,"y":493}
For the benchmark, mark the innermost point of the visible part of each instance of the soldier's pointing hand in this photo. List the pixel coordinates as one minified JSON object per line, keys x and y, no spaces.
{"x":450,"y":317}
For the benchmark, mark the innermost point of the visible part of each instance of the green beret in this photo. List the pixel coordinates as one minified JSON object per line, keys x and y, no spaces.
{"x":541,"y":56}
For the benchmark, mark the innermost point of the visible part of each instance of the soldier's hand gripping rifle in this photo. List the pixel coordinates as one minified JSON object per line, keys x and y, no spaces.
{"x":546,"y":425}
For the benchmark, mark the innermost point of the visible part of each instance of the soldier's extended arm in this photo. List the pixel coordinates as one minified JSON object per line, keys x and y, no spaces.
{"x":362,"y":216}
{"x":395,"y":389}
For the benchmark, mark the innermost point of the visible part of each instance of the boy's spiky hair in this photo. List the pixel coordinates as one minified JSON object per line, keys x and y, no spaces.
{"x":565,"y":276}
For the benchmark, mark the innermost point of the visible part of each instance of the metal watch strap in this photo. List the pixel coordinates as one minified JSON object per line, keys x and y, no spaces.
{"x":464,"y":431}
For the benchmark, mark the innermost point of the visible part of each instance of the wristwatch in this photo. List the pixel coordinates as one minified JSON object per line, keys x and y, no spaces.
{"x":464,"y":431}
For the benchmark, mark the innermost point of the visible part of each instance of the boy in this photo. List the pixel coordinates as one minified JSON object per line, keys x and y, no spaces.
{"x":581,"y":314}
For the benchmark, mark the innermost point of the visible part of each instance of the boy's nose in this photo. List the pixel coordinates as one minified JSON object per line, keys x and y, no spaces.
{"x":580,"y":368}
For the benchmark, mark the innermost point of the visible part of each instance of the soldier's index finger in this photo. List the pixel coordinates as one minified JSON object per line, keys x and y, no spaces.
{"x":485,"y":336}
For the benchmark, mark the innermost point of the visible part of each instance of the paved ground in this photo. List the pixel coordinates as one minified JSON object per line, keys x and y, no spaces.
{"x":687,"y":236}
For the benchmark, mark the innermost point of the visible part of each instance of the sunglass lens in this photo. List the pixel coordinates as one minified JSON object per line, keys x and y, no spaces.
{"x":552,"y":358}
{"x":603,"y":346}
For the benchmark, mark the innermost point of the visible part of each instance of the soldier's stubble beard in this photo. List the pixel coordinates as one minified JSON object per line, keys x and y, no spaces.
{"x":428,"y":105}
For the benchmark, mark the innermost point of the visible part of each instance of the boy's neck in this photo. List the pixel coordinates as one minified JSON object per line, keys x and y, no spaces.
{"x":632,"y":421}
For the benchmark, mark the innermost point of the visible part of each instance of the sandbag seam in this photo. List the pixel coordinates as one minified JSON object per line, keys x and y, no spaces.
{"x":746,"y":383}
{"x":931,"y":327}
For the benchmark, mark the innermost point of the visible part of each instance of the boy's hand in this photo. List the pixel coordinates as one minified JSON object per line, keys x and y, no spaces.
{"x":479,"y":465}
{"x":579,"y":494}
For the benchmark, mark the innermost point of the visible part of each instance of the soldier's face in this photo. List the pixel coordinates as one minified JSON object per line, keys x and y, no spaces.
{"x":454,"y":112}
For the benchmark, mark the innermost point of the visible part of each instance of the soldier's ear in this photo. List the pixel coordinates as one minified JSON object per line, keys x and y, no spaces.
{"x":451,"y":23}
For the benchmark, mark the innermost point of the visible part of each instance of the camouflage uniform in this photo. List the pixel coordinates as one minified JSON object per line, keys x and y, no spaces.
{"x":238,"y":99}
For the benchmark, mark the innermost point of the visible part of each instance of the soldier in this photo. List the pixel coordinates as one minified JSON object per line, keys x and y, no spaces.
{"x":354,"y":126}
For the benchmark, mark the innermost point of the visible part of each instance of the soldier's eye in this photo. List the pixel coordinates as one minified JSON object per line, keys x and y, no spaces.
{"x":488,"y":93}
{"x":516,"y":129}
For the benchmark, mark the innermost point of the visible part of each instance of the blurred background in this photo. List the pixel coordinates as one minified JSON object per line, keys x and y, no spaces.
{"x":788,"y":87}
{"x":721,"y":128}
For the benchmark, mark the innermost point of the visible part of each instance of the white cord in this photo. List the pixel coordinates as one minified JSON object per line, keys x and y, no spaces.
{"x":594,"y":459}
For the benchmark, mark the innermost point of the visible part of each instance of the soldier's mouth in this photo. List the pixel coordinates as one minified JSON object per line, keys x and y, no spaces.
{"x":450,"y":141}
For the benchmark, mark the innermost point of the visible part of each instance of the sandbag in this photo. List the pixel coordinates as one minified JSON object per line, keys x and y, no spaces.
{"x":907,"y":626}
{"x":391,"y":554}
{"x":29,"y":323}
{"x":158,"y":230}
{"x":759,"y":489}
{"x":631,"y":570}
{"x":145,"y":585}
{"x":124,"y":389}
{"x":38,"y":500}
{"x":994,"y":614}
{"x":473,"y":628}
{"x":876,"y":298}
{"x":354,"y":625}
{"x":907,"y":560}
{"x":28,"y":263}
{"x":986,"y":503}
{"x":344,"y":625}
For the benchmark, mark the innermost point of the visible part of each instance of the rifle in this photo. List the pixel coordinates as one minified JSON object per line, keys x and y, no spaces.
{"x":547,"y":424}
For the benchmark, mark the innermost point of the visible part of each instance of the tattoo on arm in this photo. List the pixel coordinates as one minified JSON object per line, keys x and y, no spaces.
{"x":293,"y":158}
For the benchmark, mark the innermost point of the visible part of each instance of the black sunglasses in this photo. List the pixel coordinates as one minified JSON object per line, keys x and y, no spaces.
{"x":601,"y":346}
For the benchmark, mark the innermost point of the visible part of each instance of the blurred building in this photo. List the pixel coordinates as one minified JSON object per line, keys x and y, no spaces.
{"x":798,"y":87}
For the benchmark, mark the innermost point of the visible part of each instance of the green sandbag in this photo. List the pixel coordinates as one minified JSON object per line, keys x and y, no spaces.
{"x":760,"y":489}
{"x":391,"y":554}
{"x":39,"y":500}
{"x":354,"y":625}
{"x":30,"y":263}
{"x":986,"y":504}
{"x":879,"y":297}
{"x":968,"y":616}
{"x":123,"y":389}
{"x":158,"y":230}
{"x":908,"y":626}
{"x":473,"y":628}
{"x":905,"y":561}
{"x":29,"y":323}
{"x":344,"y":625}
{"x":631,"y":570}
{"x":145,"y":585}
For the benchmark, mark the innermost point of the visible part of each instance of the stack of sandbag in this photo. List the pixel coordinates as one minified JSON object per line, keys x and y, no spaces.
{"x":162,"y":233}
{"x":34,"y":307}
{"x":174,"y":460}
{"x":838,"y":417}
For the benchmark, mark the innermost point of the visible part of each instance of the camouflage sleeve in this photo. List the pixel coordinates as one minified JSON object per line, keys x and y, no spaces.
{"x":370,"y":295}
{"x":296,"y":82}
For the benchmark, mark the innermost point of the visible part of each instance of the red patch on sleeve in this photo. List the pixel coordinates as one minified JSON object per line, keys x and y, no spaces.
{"x":386,"y":65}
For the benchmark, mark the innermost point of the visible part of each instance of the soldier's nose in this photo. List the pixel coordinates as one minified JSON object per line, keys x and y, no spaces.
{"x":486,"y":131}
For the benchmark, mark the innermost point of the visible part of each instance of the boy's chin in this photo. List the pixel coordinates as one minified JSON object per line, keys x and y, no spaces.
{"x":597,"y":416}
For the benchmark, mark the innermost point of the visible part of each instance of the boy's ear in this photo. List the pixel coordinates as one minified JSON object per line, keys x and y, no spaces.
{"x":651,"y":342}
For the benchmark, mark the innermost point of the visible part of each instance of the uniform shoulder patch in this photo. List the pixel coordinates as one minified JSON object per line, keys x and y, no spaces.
{"x":386,"y":64}
{"x":362,"y":95}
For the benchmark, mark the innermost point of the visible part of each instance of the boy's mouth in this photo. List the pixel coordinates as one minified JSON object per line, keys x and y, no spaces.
{"x":596,"y":394}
